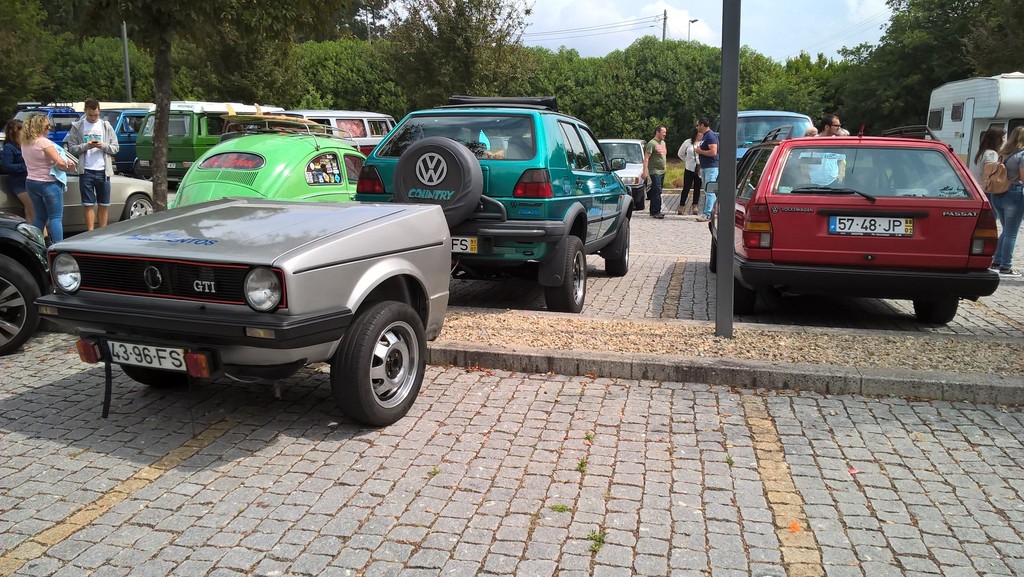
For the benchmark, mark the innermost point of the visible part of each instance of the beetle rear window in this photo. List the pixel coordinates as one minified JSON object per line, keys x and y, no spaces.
{"x":234,"y":161}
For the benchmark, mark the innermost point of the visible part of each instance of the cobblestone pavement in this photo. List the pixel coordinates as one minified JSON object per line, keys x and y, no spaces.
{"x":669,"y":278}
{"x":496,"y":473}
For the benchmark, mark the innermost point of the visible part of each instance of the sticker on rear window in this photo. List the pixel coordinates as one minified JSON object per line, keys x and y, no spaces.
{"x":234,"y":161}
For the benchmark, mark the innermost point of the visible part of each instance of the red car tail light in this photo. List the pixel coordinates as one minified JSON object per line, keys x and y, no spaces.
{"x":369,"y":182}
{"x":534,"y":183}
{"x":89,"y":351}
{"x":757,"y":227}
{"x":983,"y":241}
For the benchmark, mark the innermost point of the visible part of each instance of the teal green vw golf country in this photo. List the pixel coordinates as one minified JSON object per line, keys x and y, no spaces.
{"x":526,"y":190}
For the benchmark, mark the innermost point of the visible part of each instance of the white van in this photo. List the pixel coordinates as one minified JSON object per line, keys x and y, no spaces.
{"x":366,"y":128}
{"x":960,"y":111}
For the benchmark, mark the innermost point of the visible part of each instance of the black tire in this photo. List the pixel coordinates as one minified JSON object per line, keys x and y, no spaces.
{"x":19,"y":317}
{"x":570,"y":296}
{"x":378,"y":369}
{"x":713,"y":261}
{"x":743,"y":299}
{"x":137,"y":205}
{"x":638,"y":198}
{"x":619,"y":265}
{"x":440,"y":171}
{"x":155,"y":378}
{"x":936,"y":311}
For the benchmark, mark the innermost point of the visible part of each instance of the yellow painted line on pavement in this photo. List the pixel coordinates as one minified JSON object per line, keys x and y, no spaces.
{"x":36,"y":546}
{"x":800,"y":553}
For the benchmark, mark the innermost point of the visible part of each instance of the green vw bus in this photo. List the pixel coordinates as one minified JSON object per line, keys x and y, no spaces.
{"x":192,"y":129}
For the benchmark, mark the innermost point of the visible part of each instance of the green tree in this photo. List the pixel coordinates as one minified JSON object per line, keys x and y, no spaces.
{"x":347,"y":74}
{"x":203,"y":24}
{"x":25,"y":54}
{"x":996,"y":42}
{"x":95,"y":68}
{"x":445,"y":47}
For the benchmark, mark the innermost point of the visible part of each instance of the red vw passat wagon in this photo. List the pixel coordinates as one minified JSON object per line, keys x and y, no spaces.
{"x":897,"y":218}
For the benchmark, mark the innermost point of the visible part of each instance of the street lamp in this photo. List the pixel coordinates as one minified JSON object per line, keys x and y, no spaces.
{"x":688,"y":28}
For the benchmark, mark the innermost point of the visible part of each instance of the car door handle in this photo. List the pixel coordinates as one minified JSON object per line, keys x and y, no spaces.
{"x":603,"y":182}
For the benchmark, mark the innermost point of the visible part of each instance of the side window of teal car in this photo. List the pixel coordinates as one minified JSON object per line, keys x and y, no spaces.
{"x":575,"y":154}
{"x":595,"y":152}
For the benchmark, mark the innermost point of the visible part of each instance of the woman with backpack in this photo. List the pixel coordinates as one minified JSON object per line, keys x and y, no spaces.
{"x":1009,"y":206}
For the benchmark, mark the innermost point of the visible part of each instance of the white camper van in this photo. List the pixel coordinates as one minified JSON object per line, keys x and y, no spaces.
{"x":960,"y":111}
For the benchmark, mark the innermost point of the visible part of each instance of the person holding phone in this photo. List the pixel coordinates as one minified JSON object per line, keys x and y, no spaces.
{"x":93,"y":140}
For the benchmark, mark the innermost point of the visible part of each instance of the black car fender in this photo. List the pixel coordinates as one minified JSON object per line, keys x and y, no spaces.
{"x":14,"y":245}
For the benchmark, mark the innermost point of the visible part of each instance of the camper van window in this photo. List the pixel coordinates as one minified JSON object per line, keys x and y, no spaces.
{"x":956,"y":114}
{"x":935,"y":118}
{"x":214,"y":125}
{"x":378,"y":127}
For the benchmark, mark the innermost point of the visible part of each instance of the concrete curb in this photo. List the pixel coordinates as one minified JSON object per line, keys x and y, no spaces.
{"x":822,"y":379}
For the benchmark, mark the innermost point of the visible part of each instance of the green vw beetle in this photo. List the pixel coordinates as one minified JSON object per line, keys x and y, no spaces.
{"x":275,"y":164}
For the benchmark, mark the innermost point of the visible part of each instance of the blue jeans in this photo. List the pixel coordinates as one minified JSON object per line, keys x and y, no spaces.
{"x":94,"y":186}
{"x":1009,"y":209}
{"x":48,"y":201}
{"x":654,"y":194}
{"x":709,"y":175}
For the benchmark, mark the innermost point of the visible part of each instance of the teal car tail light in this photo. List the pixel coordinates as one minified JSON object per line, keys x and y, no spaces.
{"x":534,"y":183}
{"x":369,"y":182}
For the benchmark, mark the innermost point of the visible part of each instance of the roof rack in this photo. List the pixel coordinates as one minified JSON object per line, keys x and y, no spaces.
{"x":780,"y":133}
{"x":536,"y":102}
{"x":912,"y":131}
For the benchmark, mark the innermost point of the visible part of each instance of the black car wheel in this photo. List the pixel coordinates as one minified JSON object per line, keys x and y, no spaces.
{"x":619,"y":264}
{"x":638,"y":198}
{"x":378,"y":369}
{"x":743,"y":299}
{"x":440,"y":171}
{"x":936,"y":311}
{"x":18,"y":315}
{"x":570,"y":296}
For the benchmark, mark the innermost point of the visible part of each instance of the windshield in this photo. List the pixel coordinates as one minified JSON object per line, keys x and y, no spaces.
{"x":177,"y":125}
{"x":496,"y":137}
{"x":874,"y":171}
{"x":633,"y":152}
{"x":752,"y":129}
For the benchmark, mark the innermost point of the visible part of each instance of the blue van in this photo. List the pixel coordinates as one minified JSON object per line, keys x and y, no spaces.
{"x":61,"y":118}
{"x":753,"y":125}
{"x":126,"y":123}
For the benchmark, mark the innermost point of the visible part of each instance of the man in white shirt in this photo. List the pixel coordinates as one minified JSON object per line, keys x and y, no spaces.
{"x":94,"y":142}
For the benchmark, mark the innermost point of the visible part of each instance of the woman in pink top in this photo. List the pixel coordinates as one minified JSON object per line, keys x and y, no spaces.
{"x":46,"y":193}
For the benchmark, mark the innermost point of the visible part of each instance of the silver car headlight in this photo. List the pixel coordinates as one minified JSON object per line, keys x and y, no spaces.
{"x":262,"y":289}
{"x":32,"y":233}
{"x":66,"y":274}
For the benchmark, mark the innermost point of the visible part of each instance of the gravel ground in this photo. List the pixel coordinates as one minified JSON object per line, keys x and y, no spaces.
{"x":548,"y":331}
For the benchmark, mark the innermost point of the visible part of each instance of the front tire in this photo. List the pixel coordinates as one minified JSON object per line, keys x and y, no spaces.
{"x":377,"y":371}
{"x":570,"y":296}
{"x":619,"y":266}
{"x":18,"y":315}
{"x":937,"y":311}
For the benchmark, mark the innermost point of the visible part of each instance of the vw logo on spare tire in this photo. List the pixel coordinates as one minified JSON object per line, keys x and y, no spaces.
{"x":440,"y":171}
{"x":431,"y":169}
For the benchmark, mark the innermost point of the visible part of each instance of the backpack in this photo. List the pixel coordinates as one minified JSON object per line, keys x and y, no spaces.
{"x":994,"y":179}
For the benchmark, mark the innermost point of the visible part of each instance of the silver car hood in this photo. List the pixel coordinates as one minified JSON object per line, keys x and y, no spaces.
{"x":257,"y":231}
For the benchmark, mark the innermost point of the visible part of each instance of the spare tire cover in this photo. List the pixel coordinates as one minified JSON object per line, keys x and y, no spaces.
{"x":440,"y":171}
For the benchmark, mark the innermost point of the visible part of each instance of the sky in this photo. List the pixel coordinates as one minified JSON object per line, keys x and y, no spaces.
{"x":779,"y":29}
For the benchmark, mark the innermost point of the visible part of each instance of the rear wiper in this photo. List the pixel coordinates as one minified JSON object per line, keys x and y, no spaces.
{"x":831,"y":190}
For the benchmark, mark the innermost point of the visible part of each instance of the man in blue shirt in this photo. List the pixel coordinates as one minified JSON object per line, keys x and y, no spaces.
{"x":707,"y":154}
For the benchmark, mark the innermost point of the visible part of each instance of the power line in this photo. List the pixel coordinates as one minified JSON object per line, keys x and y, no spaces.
{"x":570,"y":36}
{"x":649,"y":21}
{"x":848,"y":32}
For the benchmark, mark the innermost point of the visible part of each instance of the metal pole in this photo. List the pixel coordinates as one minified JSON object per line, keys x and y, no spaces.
{"x":664,"y":25}
{"x":688,"y":24}
{"x":127,"y":67}
{"x":727,"y":165}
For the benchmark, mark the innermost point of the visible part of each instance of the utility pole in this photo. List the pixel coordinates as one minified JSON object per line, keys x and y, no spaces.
{"x":690,"y":23}
{"x":664,"y":25}
{"x":127,"y":67}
